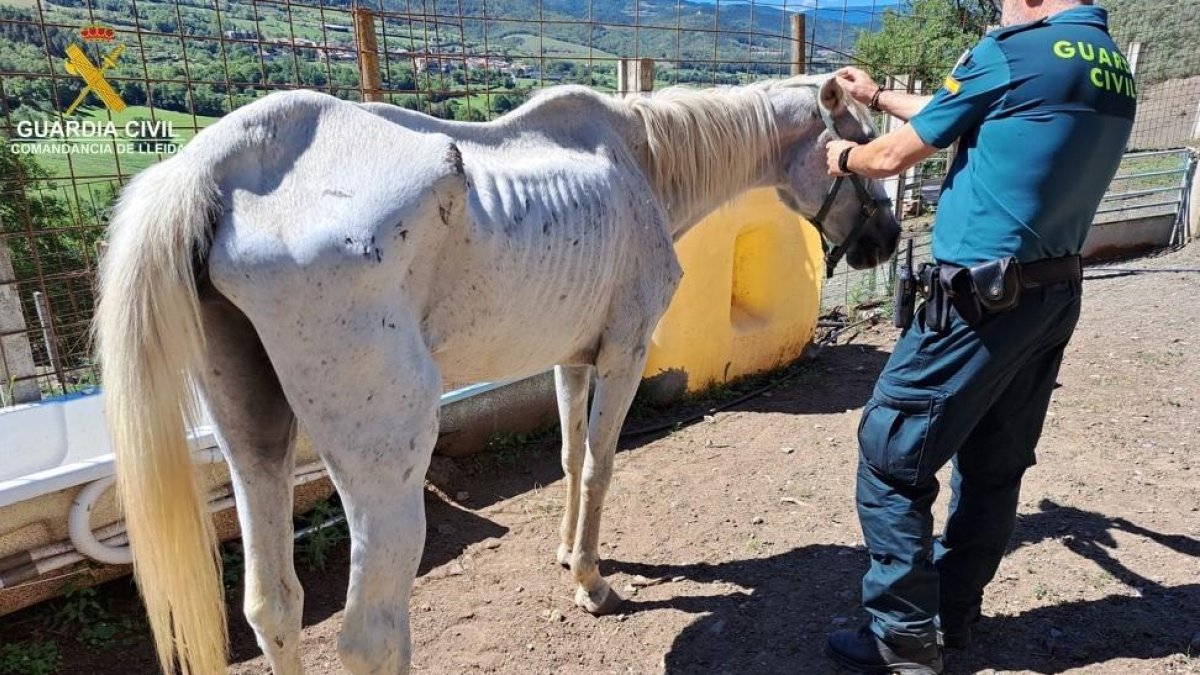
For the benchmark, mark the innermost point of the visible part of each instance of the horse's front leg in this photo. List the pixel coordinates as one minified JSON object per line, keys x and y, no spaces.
{"x":571,"y":383}
{"x":619,"y":366}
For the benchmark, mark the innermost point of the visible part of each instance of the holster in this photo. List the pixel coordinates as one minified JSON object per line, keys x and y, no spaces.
{"x":947,"y":288}
{"x":936,"y":311}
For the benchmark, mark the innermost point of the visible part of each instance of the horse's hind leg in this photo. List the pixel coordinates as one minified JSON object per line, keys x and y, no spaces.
{"x":256,"y":430}
{"x":619,"y":366}
{"x":571,"y":383}
{"x":368,"y":397}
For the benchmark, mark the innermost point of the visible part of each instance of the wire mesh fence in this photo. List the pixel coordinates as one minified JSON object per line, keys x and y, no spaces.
{"x":92,"y":91}
{"x":1161,"y":47}
{"x":849,"y":291}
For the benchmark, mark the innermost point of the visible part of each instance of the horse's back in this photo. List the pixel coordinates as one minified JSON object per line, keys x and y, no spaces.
{"x":480,"y":243}
{"x":318,"y":185}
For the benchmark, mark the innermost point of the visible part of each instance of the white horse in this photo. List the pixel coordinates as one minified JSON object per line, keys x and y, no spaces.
{"x":310,"y":260}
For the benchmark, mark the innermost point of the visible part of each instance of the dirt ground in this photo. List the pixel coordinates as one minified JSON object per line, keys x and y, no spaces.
{"x":747,"y":519}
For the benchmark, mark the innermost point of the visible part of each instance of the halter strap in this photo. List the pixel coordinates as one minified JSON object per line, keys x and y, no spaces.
{"x":868,"y":205}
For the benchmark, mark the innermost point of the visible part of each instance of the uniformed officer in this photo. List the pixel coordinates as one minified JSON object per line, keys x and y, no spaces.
{"x":1043,"y":109}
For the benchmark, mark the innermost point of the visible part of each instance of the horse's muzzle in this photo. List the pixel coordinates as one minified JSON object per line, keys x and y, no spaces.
{"x":876,"y":246}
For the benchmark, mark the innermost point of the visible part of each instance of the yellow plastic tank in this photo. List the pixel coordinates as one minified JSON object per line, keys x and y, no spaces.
{"x":749,"y":298}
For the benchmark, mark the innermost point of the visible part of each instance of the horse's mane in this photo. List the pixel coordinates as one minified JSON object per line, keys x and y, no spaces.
{"x":688,"y":128}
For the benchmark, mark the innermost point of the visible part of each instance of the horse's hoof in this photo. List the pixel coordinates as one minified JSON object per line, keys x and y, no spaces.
{"x":564,"y":556}
{"x":604,"y":600}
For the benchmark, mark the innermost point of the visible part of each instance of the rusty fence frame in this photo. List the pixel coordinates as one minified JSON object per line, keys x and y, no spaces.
{"x":379,"y":50}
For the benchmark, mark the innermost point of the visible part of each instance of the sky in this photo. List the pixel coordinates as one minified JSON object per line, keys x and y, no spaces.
{"x":809,"y":4}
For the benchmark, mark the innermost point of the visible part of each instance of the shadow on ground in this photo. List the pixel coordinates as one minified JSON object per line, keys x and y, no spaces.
{"x":772,"y":614}
{"x":839,"y":378}
{"x":451,"y":530}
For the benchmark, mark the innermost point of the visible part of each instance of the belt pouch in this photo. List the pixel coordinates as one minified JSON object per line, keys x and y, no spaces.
{"x":997,"y":284}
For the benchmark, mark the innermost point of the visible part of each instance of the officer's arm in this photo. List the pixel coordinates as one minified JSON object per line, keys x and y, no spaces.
{"x":969,"y":94}
{"x":901,"y":105}
{"x":890,"y":154}
{"x":862,"y":88}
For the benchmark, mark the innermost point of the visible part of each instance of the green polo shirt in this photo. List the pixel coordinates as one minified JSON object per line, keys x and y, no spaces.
{"x":1043,"y":111}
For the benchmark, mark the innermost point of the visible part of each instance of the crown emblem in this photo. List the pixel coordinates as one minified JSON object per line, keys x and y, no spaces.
{"x":97,"y":34}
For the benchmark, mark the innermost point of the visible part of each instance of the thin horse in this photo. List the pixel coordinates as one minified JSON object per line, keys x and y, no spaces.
{"x":313,"y":261}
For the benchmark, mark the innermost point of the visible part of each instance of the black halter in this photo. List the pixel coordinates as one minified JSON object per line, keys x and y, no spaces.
{"x":868,"y":207}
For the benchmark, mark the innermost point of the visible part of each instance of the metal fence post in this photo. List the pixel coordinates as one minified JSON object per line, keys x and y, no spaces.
{"x":799,"y":67}
{"x":1196,"y":123}
{"x":909,"y":178}
{"x":46,"y":318}
{"x":368,"y":55}
{"x":635,"y":75}
{"x":1192,"y":198}
{"x":18,"y":383}
{"x":1135,"y":53}
{"x":895,"y":186}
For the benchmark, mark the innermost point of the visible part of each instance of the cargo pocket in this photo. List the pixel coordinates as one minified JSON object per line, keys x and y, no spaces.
{"x":896,"y":437}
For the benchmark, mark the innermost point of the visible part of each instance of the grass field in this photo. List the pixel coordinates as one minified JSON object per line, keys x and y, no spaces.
{"x":525,"y":44}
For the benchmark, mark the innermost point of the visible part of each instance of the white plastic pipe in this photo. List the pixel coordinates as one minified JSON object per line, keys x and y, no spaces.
{"x":110,"y":542}
{"x":86,"y":541}
{"x":79,"y":518}
{"x":79,"y":526}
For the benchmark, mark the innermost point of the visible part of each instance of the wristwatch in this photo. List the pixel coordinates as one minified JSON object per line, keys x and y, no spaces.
{"x":844,"y":159}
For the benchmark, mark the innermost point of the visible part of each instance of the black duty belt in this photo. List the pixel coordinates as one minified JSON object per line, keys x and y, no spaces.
{"x":987,"y":288}
{"x":1051,"y":271}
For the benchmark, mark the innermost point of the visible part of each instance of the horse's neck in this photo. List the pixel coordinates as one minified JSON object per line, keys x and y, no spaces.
{"x":705,"y":148}
{"x":699,"y":148}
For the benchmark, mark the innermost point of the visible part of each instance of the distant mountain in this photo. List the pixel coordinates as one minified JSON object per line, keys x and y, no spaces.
{"x":733,"y":33}
{"x":853,"y":11}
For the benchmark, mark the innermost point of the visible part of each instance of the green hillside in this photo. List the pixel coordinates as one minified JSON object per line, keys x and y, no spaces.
{"x":234,"y":52}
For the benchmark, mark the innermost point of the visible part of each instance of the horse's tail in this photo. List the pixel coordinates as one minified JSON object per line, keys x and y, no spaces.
{"x":151,"y":342}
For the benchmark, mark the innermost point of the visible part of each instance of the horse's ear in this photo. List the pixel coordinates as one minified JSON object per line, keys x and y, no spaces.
{"x":833,"y":97}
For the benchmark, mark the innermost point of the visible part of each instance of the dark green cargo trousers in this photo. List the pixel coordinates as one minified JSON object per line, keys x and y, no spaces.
{"x":976,"y":395}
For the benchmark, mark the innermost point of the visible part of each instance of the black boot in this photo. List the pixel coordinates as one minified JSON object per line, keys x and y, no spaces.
{"x":957,"y":631}
{"x":860,"y":651}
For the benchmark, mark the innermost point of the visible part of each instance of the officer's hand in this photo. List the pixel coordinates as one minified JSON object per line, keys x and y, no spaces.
{"x":834,"y":151}
{"x":857,"y":83}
